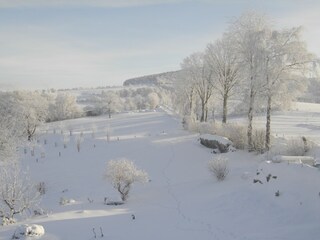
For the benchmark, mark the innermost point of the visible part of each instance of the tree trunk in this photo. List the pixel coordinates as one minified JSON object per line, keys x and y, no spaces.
{"x":250,"y":118}
{"x":268,"y":124}
{"x":202,"y":118}
{"x":191,"y":102}
{"x":225,"y":110}
{"x":206,"y":113}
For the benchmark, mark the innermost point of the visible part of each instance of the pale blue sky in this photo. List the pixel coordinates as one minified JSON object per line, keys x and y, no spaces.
{"x":89,"y":43}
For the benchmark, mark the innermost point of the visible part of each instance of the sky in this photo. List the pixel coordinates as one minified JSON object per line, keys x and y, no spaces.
{"x":89,"y":43}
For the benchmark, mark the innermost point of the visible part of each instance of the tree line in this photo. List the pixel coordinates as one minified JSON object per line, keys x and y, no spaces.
{"x":253,"y":63}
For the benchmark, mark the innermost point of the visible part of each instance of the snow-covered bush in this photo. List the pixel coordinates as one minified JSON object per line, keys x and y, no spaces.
{"x":219,"y":167}
{"x":93,"y":131}
{"x":79,"y":140}
{"x":205,"y":127}
{"x":298,"y":146}
{"x":17,"y":194}
{"x":25,"y":230}
{"x":122,"y":174}
{"x":258,"y":141}
{"x":108,"y":133}
{"x":41,"y":187}
{"x":237,"y":134}
{"x":66,"y":139}
{"x":188,"y":123}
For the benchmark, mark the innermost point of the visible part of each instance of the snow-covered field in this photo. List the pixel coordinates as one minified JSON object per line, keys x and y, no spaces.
{"x":182,"y":200}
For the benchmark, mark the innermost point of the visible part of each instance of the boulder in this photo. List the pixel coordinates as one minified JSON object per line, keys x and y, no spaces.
{"x":217,"y":143}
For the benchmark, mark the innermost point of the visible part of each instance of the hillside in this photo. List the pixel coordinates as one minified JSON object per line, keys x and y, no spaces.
{"x":162,"y":79}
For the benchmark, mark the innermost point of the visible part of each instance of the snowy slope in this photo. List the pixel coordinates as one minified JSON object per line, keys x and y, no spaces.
{"x":182,"y":200}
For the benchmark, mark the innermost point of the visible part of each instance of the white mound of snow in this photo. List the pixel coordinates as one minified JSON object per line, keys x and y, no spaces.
{"x":26,"y":230}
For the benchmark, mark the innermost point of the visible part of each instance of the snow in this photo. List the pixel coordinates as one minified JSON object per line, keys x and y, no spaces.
{"x":182,"y":200}
{"x":29,"y":231}
{"x":294,"y":159}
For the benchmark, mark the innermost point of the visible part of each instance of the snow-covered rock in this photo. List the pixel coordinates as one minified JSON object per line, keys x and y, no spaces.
{"x":26,"y":230}
{"x":218,"y":143}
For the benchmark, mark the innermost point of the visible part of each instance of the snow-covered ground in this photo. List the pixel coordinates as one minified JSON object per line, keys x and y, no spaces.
{"x":182,"y":200}
{"x":302,"y":120}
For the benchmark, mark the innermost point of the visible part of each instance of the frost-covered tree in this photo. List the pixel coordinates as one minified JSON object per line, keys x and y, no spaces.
{"x":17,"y":193}
{"x":110,"y":103}
{"x":28,"y":111}
{"x":285,"y":60}
{"x":185,"y":92}
{"x":64,"y":107}
{"x":139,"y":102}
{"x":225,"y":64}
{"x":34,"y":110}
{"x":248,"y":35}
{"x":11,"y":129}
{"x":197,"y":68}
{"x":8,"y":139}
{"x":153,"y":100}
{"x":122,"y":174}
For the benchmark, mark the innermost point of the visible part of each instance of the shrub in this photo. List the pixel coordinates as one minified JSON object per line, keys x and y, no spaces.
{"x":219,"y":167}
{"x":205,"y":127}
{"x":237,"y":134}
{"x":259,"y":141}
{"x":66,"y":139}
{"x":188,"y":123}
{"x":122,"y":174}
{"x":298,"y":146}
{"x":41,"y":187}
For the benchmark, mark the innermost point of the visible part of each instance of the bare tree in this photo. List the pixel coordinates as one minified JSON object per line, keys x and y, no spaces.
{"x":122,"y":174}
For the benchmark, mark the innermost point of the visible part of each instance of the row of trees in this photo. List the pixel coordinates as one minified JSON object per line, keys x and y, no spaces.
{"x":124,"y":100}
{"x":253,"y":61}
{"x":21,"y":114}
